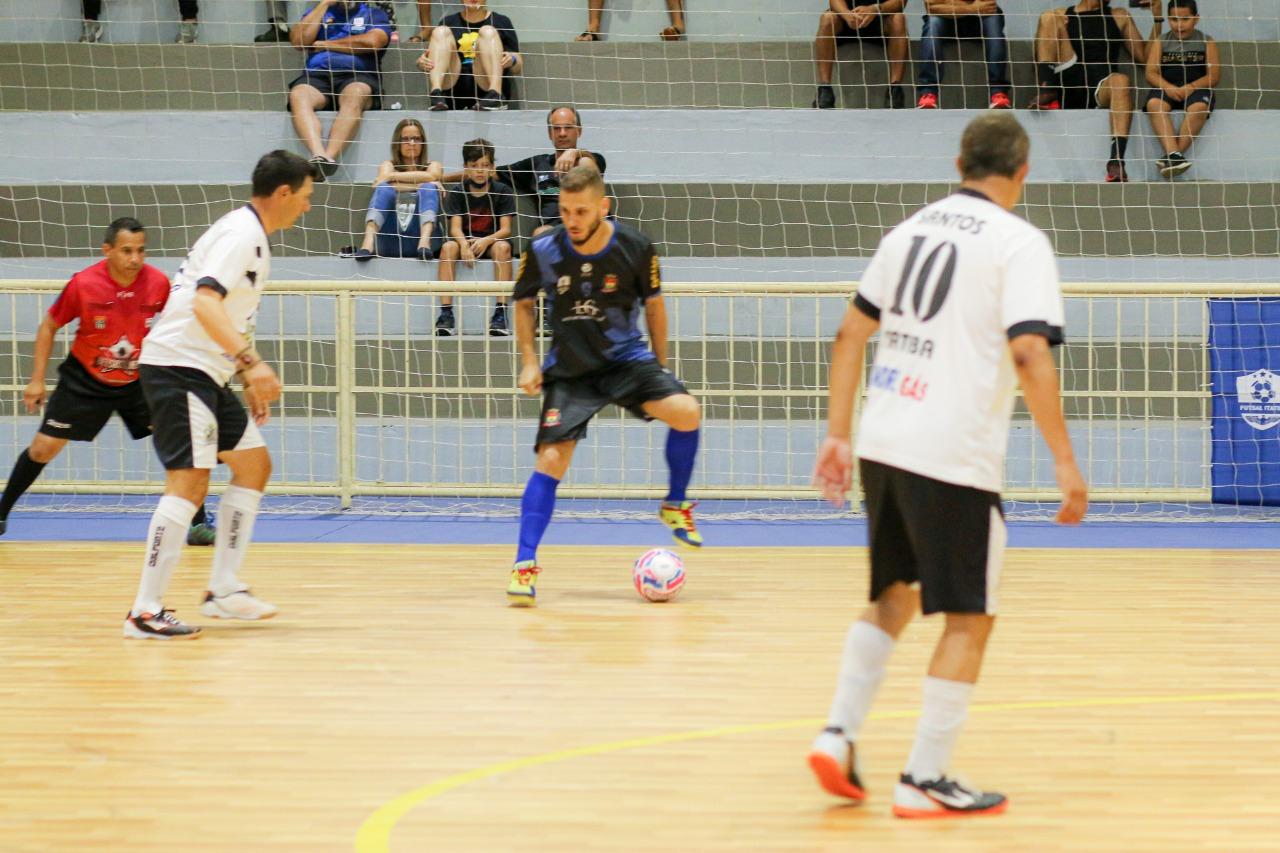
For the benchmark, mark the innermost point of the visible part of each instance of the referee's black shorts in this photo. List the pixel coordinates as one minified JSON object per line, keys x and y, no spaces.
{"x":568,"y":405}
{"x":948,"y":538}
{"x":80,"y":406}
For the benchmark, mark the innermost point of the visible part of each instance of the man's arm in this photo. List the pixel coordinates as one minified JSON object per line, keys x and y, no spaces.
{"x":303,"y":33}
{"x":1214,"y":72}
{"x":1154,"y":77}
{"x":655,"y":317}
{"x":530,"y":381}
{"x":1134,"y":42}
{"x":260,"y":381}
{"x":1038,"y":375}
{"x":369,"y":42}
{"x":833,"y":473}
{"x":35,"y":394}
{"x":424,"y":19}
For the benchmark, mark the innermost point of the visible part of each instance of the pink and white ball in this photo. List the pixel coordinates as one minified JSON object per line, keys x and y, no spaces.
{"x":658,"y":575}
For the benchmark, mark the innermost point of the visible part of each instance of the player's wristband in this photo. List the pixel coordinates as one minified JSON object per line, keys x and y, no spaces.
{"x":247,"y":358}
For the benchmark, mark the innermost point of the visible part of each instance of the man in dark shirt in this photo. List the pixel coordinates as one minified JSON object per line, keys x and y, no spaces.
{"x":540,"y":174}
{"x":598,"y":277}
{"x":470,"y":59}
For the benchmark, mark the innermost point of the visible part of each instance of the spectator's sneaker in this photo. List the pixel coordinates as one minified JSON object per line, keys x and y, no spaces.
{"x":490,"y":101}
{"x":927,"y":101}
{"x":894,"y":97}
{"x":158,"y":626}
{"x":498,"y":327}
{"x":187,"y":32}
{"x":1116,"y":173}
{"x":276,"y":33}
{"x":202,"y":535}
{"x":1046,"y":99}
{"x":439,"y":101}
{"x":826,"y":99}
{"x":238,"y":605}
{"x":322,"y":168}
{"x":445,"y":327}
{"x":1174,"y":164}
{"x":425,"y":253}
{"x":1000,"y":101}
{"x":522,"y":590}
{"x":679,"y":517}
{"x":91,"y":32}
{"x":943,"y":798}
{"x":834,"y":762}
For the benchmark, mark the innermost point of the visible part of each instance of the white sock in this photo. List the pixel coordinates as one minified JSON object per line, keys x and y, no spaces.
{"x":236,"y":513}
{"x":942,"y":715}
{"x":866,"y":651}
{"x":165,"y":538}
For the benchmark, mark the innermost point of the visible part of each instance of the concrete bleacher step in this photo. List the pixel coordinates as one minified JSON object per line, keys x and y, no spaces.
{"x":627,"y":75}
{"x":729,"y":220}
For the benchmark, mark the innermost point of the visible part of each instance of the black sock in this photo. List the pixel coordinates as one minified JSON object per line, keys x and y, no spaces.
{"x":1118,"y":146}
{"x":25,"y":471}
{"x":199,"y":517}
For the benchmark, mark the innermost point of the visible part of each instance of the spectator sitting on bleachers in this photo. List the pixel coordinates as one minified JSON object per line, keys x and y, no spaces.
{"x":849,"y":21}
{"x":480,"y":210}
{"x":91,"y":29}
{"x":540,"y":174}
{"x":948,"y":19}
{"x":401,"y":222}
{"x":1077,"y":53}
{"x":471,"y":58}
{"x":1184,"y":68}
{"x":345,"y":41}
{"x":675,"y":32}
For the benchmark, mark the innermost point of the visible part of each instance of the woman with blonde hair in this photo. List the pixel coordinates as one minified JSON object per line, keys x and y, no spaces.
{"x":406,"y":200}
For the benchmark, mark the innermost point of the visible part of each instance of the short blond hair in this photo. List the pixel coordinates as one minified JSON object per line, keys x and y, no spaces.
{"x":582,"y":177}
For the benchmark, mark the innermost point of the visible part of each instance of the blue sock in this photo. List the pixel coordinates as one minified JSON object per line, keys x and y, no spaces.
{"x":536,"y":506}
{"x":682,"y":449}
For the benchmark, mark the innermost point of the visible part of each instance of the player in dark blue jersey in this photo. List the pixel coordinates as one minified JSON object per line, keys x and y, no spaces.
{"x":597,"y":277}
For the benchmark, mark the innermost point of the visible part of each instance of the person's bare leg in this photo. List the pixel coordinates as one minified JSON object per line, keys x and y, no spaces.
{"x":1192,"y":124}
{"x":352,"y":102}
{"x":1161,"y":116}
{"x":446,"y":268}
{"x":824,"y":47}
{"x":501,"y":254}
{"x":896,"y":46}
{"x":370,"y":236}
{"x":443,"y":51}
{"x":489,"y":60}
{"x":304,"y":100}
{"x":595,"y":8}
{"x":675,"y":8}
{"x":1117,"y":95}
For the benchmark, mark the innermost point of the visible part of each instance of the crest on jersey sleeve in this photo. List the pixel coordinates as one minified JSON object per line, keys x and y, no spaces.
{"x":610,"y":283}
{"x":1258,"y":395}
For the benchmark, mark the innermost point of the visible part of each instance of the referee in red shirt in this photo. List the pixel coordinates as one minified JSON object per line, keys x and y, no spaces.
{"x":116,"y":301}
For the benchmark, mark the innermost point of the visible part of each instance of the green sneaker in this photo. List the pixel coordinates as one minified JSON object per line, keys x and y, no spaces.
{"x":202,"y":534}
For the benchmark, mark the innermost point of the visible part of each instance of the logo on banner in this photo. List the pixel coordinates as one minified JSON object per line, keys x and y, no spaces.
{"x":1258,"y":395}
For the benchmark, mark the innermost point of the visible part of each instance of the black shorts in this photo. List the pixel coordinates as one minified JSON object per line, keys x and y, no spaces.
{"x":331,"y":84}
{"x":487,"y":254}
{"x":80,"y":406}
{"x":948,"y":538}
{"x":1199,"y":96}
{"x":465,"y":94}
{"x":568,"y":405}
{"x":847,"y":35}
{"x":195,"y":417}
{"x":1080,"y":85}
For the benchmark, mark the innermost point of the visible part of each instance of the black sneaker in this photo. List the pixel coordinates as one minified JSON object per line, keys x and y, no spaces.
{"x":894,"y":97}
{"x":439,"y":101}
{"x":445,"y":327}
{"x":425,"y":253}
{"x":1174,"y":164}
{"x":1116,"y":173}
{"x":943,"y":798}
{"x":498,"y":327}
{"x":826,"y":99}
{"x":275,"y":34}
{"x":491,"y":101}
{"x":202,"y":535}
{"x":158,"y":626}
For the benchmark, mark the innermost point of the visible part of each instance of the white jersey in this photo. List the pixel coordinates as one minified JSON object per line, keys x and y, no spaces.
{"x":951,"y":286}
{"x":232,"y":257}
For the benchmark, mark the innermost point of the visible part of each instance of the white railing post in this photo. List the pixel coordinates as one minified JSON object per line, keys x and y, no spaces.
{"x":345,"y":356}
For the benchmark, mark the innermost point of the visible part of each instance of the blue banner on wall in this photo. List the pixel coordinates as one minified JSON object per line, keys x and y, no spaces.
{"x":1244,"y":346}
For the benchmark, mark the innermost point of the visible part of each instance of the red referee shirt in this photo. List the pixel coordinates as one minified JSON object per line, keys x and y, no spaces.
{"x":113,"y":319}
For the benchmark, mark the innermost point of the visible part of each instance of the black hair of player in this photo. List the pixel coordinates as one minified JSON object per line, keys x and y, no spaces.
{"x":280,"y":168}
{"x":475,"y":149}
{"x":577,"y":117}
{"x":994,"y":143}
{"x":124,"y":223}
{"x":1190,"y":5}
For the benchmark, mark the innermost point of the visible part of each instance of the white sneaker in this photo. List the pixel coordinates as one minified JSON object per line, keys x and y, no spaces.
{"x":943,"y":798}
{"x":158,"y":626}
{"x":90,"y":32}
{"x":237,"y":605}
{"x":834,"y":762}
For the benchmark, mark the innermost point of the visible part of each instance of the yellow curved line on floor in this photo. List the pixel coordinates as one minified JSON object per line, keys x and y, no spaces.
{"x":375,"y":833}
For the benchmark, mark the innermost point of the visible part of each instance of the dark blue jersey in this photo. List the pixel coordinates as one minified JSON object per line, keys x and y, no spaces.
{"x":594,"y":301}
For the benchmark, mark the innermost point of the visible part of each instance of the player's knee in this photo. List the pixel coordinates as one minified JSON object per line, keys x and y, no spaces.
{"x":686,"y":414}
{"x":1118,"y":82}
{"x":1155,"y":105}
{"x":897,"y":606}
{"x":827,"y":23}
{"x":443,"y":35}
{"x":895,"y":24}
{"x":449,"y":251}
{"x":970,"y":628}
{"x":45,"y":449}
{"x":501,"y":251}
{"x":488,"y":32}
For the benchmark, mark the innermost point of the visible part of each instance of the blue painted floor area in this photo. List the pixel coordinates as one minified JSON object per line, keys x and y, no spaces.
{"x":365,"y":528}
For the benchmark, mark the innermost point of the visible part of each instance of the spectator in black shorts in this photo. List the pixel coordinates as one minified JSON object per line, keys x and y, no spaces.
{"x":1184,"y":68}
{"x":480,"y":210}
{"x":345,"y":41}
{"x":1077,"y":51}
{"x":540,"y":174}
{"x":848,"y":21}
{"x":471,"y":59}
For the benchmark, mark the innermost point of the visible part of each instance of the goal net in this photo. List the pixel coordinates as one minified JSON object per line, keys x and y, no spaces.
{"x":764,"y":209}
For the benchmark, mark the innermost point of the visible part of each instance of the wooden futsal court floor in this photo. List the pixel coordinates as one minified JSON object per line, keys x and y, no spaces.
{"x":1131,"y":701}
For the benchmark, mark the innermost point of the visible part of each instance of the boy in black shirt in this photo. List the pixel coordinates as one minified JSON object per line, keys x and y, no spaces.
{"x":470,"y":59}
{"x":480,"y":210}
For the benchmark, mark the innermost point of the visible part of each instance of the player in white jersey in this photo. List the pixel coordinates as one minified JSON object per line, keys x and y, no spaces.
{"x":966,"y":298}
{"x":202,"y":339}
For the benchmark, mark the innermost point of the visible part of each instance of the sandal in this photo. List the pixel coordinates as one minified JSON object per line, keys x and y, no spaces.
{"x":671,"y":34}
{"x":588,"y":35}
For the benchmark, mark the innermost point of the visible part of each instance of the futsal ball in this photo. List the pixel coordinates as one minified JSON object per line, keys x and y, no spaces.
{"x":658,"y":575}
